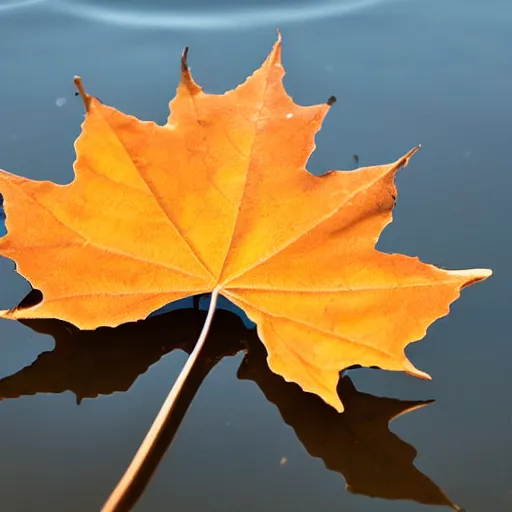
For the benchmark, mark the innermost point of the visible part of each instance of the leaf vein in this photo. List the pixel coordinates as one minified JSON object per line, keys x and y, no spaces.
{"x":157,"y":201}
{"x":313,"y":327}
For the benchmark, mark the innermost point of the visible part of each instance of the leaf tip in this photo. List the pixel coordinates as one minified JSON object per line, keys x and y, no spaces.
{"x":404,"y":161}
{"x":7,"y":314}
{"x":471,"y":276}
{"x":332,"y":397}
{"x":274,"y":57}
{"x":86,"y":98}
{"x":410,"y":369}
{"x":331,"y":101}
{"x":337,"y":404}
{"x":184,"y":56}
{"x":186,"y":76}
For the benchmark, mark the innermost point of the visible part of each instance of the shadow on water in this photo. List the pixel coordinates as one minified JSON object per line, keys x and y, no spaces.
{"x":356,"y":443}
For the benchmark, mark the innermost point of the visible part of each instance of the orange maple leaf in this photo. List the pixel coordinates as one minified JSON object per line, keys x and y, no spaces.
{"x":219,"y":200}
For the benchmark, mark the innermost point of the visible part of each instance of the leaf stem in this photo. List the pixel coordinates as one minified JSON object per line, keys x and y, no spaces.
{"x":115,"y":500}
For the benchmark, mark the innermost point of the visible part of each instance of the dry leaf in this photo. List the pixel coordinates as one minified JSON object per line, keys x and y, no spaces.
{"x":219,"y":199}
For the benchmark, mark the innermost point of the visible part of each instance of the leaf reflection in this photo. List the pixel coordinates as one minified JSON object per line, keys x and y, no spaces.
{"x":357,"y":443}
{"x":108,"y":360}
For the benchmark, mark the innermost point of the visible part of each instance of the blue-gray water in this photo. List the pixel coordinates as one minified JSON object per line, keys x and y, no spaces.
{"x":435,"y":72}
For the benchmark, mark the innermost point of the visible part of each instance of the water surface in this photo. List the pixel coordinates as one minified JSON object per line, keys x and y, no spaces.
{"x":76,"y":405}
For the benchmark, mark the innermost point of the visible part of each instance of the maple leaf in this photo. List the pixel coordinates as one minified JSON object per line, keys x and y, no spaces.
{"x":219,"y":200}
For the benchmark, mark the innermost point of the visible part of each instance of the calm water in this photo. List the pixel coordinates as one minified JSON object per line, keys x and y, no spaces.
{"x":76,"y":405}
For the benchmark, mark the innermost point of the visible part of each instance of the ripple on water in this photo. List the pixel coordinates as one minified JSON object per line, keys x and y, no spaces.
{"x":11,"y":5}
{"x":198,"y":14}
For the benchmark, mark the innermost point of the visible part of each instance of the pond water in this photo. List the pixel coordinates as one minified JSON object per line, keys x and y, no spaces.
{"x":75,"y":405}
